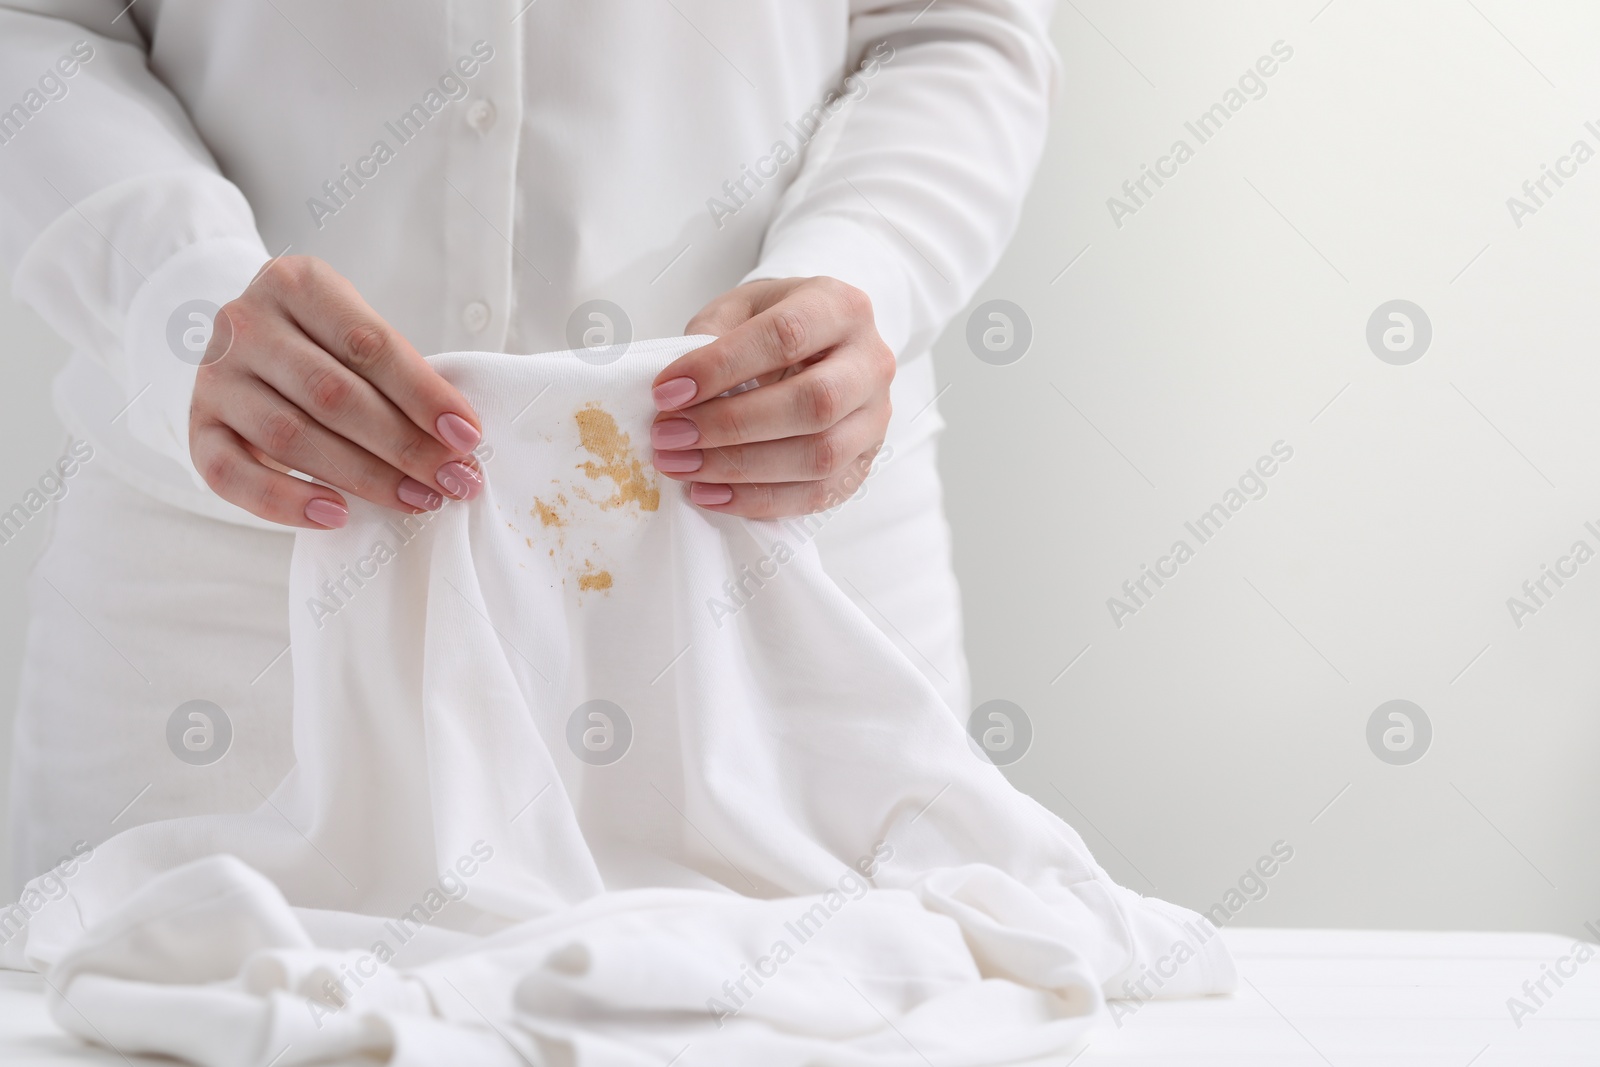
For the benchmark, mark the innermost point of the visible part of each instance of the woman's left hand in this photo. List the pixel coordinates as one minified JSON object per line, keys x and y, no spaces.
{"x":803,"y":441}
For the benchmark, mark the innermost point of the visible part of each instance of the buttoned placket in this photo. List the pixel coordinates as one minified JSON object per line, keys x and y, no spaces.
{"x":480,"y":169}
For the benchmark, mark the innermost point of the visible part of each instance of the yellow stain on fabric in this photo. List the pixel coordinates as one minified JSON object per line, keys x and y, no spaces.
{"x":614,"y":459}
{"x":548,"y":515}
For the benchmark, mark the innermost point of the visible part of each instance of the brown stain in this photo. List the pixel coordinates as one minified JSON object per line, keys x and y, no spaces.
{"x":614,"y":459}
{"x":546,"y":514}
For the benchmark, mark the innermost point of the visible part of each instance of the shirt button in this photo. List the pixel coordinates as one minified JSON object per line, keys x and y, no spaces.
{"x":480,"y":115}
{"x":475,"y":316}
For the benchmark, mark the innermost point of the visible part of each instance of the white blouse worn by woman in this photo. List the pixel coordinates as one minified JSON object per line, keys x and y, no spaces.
{"x":492,"y":177}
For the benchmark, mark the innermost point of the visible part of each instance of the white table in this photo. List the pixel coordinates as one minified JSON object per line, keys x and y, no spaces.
{"x":1315,"y":997}
{"x":1370,"y":998}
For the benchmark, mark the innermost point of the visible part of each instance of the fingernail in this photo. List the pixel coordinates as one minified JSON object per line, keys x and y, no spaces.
{"x":457,"y":432}
{"x":710,"y":494}
{"x":674,"y":433}
{"x":459,"y":480}
{"x":674,"y":393}
{"x":418,"y":495}
{"x":328,"y":513}
{"x":680,"y":462}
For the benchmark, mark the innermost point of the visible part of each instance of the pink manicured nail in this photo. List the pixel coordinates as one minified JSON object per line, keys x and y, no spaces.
{"x":457,"y":432}
{"x":710,"y":494}
{"x":418,"y":495}
{"x":459,"y":480}
{"x":674,"y":393}
{"x":680,"y":462}
{"x":329,"y":513}
{"x":674,"y":433}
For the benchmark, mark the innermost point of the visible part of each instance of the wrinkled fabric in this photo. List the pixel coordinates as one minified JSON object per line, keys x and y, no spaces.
{"x":484,"y":181}
{"x":588,"y":775}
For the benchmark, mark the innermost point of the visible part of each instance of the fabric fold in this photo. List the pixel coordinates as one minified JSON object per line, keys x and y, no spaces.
{"x":589,"y":775}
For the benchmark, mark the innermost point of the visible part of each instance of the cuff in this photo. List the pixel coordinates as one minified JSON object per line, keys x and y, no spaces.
{"x":840,"y":248}
{"x":167,"y":328}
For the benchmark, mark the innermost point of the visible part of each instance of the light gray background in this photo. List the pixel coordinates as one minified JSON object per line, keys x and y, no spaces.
{"x":1168,"y":354}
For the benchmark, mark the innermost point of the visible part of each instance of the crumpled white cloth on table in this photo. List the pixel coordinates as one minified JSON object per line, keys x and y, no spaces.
{"x":590,"y":776}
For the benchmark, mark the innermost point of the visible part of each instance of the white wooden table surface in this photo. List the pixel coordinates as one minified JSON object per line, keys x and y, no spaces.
{"x":1321,"y":998}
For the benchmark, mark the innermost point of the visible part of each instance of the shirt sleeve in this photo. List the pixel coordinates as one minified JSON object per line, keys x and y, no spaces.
{"x":913,"y":190}
{"x":115,"y":221}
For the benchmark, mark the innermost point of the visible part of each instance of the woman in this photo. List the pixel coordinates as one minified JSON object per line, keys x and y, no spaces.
{"x":356,"y":184}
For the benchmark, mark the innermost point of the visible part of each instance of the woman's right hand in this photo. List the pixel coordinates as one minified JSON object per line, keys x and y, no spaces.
{"x":300,"y":374}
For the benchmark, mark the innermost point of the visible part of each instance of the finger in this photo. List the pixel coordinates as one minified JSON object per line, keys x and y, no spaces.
{"x":812,"y":457}
{"x":805,"y":403}
{"x":809,"y":320}
{"x":236,"y":476}
{"x":726,"y":311}
{"x":776,"y":500}
{"x":350,"y":406}
{"x":279,"y":429}
{"x":327,"y":307}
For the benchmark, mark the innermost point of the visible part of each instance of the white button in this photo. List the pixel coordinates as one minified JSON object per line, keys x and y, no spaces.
{"x":480,"y":115}
{"x":475,"y":316}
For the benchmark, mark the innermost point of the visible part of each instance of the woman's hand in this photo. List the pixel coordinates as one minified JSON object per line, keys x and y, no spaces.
{"x":300,"y":374}
{"x":803,"y":441}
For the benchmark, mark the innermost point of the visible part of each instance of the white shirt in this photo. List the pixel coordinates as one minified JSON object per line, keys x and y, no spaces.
{"x":483,"y":171}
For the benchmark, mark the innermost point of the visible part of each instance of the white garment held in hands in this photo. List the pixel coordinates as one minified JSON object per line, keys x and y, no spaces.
{"x":546,"y":784}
